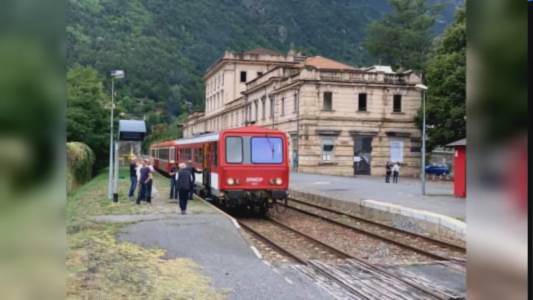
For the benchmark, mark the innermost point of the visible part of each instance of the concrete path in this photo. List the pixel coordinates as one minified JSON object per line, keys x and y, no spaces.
{"x":214,"y":242}
{"x":407,"y":192}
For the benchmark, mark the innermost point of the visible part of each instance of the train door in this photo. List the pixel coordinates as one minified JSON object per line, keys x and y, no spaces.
{"x":206,"y":174}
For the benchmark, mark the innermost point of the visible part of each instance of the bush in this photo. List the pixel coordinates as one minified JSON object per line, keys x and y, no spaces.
{"x":80,"y":162}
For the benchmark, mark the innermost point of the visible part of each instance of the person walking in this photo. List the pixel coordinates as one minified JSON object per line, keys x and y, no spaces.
{"x":395,"y":172}
{"x":184,"y":185}
{"x":133,"y":177}
{"x":191,"y":169}
{"x":388,"y":171}
{"x":172,"y":173}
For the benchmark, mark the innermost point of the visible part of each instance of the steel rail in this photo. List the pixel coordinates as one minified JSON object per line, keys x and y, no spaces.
{"x":375,"y":235}
{"x":300,"y":259}
{"x":371,"y":266}
{"x":412,"y":234}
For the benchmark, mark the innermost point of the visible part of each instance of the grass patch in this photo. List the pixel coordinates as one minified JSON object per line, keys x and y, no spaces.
{"x":100,"y":267}
{"x":91,"y":200}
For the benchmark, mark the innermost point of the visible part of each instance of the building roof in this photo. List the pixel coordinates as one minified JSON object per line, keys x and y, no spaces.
{"x":263,"y":51}
{"x":320,"y":62}
{"x":461,"y":142}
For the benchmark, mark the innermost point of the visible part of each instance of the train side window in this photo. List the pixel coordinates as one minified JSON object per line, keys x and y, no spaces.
{"x":164,"y":153}
{"x":199,"y":155}
{"x":234,"y":152}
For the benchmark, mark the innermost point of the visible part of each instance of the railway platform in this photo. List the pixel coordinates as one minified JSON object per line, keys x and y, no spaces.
{"x":216,"y":243}
{"x":437,"y":214}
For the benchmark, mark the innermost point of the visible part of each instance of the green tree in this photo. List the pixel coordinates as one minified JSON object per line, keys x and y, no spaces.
{"x":445,"y":77}
{"x":402,"y":38}
{"x":87,"y":116}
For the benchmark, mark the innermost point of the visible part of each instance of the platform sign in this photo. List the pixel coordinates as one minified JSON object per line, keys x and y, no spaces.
{"x":396,"y":151}
{"x":132,"y":130}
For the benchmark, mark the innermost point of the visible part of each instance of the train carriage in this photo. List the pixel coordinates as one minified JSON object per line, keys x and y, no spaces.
{"x":242,"y":167}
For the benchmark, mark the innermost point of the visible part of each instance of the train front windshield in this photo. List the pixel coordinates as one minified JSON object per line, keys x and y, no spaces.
{"x":254,"y":150}
{"x":266,"y":150}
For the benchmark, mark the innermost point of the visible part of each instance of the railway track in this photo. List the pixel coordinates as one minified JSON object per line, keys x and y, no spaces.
{"x":336,"y":268}
{"x":292,"y":243}
{"x":344,"y":275}
{"x":418,"y":243}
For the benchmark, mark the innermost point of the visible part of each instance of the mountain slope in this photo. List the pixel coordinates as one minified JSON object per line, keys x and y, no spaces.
{"x":165,"y":46}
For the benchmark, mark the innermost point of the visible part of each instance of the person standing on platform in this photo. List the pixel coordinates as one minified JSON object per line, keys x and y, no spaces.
{"x":172,"y":173}
{"x":146,"y":183}
{"x":388,"y":171}
{"x":133,"y":178}
{"x":191,"y":169}
{"x":395,"y":172}
{"x":184,"y":185}
{"x":150,"y":181}
{"x":142,"y":176}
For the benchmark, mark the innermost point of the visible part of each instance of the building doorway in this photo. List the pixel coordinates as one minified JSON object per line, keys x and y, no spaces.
{"x":362,"y":148}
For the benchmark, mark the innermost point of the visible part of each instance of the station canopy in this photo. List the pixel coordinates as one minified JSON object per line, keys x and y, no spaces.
{"x":131,"y":130}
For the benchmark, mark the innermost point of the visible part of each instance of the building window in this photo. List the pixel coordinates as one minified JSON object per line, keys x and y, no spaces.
{"x":362,"y":102}
{"x":243,"y":76}
{"x":259,"y":74}
{"x":328,"y":146}
{"x":256,"y":110}
{"x":262,"y":108}
{"x":272,"y":107}
{"x":283,"y":106}
{"x":295,"y":104}
{"x":328,"y":101}
{"x":397,"y":105}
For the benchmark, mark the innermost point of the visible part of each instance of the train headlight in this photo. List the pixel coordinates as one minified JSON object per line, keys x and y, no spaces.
{"x":278,"y":181}
{"x":230,"y":181}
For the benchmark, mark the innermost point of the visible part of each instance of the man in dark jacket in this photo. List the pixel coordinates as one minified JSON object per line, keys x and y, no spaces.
{"x":133,"y":177}
{"x":191,"y":169}
{"x":184,"y":184}
{"x":388,"y":172}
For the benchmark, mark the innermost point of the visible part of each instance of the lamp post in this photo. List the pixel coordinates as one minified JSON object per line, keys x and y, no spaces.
{"x":111,"y":187}
{"x":423,"y":89}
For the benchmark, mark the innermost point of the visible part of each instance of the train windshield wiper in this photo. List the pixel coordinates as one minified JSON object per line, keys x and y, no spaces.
{"x":270,"y":145}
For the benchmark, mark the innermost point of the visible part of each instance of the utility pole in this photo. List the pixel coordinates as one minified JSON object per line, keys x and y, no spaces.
{"x":112,"y":185}
{"x":110,"y":178}
{"x":423,"y":89}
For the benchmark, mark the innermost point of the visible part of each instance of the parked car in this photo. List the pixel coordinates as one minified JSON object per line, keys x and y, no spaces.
{"x":437,"y":169}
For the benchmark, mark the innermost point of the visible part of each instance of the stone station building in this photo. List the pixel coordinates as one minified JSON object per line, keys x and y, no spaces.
{"x":333,"y":113}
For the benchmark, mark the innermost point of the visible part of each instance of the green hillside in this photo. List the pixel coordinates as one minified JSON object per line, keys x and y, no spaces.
{"x":165,"y":46}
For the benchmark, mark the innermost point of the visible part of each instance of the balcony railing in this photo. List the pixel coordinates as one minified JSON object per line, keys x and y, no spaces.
{"x":365,"y":77}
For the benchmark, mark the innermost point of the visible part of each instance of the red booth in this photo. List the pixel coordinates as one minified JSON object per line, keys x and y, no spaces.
{"x":459,"y":168}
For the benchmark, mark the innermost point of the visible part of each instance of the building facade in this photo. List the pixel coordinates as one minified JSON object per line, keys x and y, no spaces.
{"x":341,"y":120}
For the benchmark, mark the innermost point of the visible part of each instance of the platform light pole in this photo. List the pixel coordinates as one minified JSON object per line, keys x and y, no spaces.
{"x":423,"y":89}
{"x":118,"y":74}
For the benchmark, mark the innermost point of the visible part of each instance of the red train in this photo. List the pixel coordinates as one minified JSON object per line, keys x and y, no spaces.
{"x":243,"y":167}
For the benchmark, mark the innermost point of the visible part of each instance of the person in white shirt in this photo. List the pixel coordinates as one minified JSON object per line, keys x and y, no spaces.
{"x":395,"y":172}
